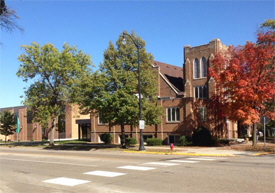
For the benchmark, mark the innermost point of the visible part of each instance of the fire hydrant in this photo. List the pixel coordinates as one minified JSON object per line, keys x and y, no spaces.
{"x":172,"y":146}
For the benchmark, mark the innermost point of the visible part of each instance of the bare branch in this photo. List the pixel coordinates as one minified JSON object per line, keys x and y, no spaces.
{"x":8,"y":19}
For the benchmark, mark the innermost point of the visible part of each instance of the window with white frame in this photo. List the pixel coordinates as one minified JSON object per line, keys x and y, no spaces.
{"x":173,"y":114}
{"x":175,"y":139}
{"x":203,"y":67}
{"x":196,"y":69}
{"x":100,"y":122}
{"x":202,"y":114}
{"x":199,"y":68}
{"x":200,"y":92}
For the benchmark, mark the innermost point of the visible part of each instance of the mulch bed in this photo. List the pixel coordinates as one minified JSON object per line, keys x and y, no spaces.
{"x":248,"y":147}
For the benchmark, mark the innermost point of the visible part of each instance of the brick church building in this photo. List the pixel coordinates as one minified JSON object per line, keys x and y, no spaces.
{"x":183,"y":93}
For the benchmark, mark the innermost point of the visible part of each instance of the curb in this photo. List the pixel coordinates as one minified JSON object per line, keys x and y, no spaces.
{"x":264,"y":153}
{"x":174,"y":153}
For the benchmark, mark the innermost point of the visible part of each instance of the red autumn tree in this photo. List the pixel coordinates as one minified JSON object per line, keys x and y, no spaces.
{"x":245,"y":81}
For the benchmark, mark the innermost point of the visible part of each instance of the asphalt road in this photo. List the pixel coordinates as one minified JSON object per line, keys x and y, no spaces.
{"x":33,"y":170}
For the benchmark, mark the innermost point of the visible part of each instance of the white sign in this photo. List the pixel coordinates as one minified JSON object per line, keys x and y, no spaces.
{"x":141,"y":124}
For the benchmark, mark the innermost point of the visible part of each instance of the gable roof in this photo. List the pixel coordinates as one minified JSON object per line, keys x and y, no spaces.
{"x":172,"y":74}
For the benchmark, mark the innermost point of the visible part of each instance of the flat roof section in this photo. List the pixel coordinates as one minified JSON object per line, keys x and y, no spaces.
{"x":83,"y":121}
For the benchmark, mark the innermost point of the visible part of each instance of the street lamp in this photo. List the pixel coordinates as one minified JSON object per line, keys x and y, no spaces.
{"x":141,"y":122}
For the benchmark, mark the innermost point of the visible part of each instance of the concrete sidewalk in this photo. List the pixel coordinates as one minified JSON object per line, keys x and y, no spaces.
{"x":197,"y":151}
{"x":165,"y":150}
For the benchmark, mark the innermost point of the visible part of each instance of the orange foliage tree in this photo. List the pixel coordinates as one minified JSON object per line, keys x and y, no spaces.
{"x":245,"y":81}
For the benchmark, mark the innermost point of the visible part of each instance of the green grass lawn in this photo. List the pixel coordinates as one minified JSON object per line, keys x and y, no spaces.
{"x":7,"y":142}
{"x":71,"y":142}
{"x":44,"y":142}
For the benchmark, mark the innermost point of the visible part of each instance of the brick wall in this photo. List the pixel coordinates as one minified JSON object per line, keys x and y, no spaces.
{"x":71,"y":115}
{"x":165,"y":89}
{"x":190,"y":54}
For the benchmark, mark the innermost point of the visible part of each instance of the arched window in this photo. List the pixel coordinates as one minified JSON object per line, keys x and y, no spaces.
{"x":203,"y":67}
{"x":196,"y":68}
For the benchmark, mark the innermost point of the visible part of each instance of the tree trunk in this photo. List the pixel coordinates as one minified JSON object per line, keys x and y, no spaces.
{"x":52,"y":133}
{"x":123,"y":141}
{"x":254,"y":142}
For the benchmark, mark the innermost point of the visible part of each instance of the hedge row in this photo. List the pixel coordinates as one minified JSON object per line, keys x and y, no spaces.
{"x":106,"y":137}
{"x":200,"y":137}
{"x":153,"y":141}
{"x":131,"y":141}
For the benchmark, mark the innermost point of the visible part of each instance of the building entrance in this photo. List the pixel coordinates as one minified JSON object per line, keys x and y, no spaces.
{"x":84,"y":129}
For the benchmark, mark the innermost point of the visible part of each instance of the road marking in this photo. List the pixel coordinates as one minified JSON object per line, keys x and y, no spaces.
{"x":136,"y":168}
{"x":66,"y":181}
{"x":162,"y":164}
{"x":202,"y":159}
{"x":94,"y":158}
{"x":47,"y":162}
{"x":183,"y":161}
{"x":104,"y":173}
{"x":215,"y":158}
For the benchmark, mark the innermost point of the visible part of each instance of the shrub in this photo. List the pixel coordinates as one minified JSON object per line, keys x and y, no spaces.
{"x":201,"y":137}
{"x":153,"y":141}
{"x":185,"y":140}
{"x":130,"y":141}
{"x":106,"y":137}
{"x":32,"y":140}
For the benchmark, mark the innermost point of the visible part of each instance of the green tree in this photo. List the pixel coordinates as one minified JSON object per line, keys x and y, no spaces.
{"x":53,"y":75}
{"x":269,"y":24}
{"x":112,"y":90}
{"x":7,"y":124}
{"x":270,"y":126}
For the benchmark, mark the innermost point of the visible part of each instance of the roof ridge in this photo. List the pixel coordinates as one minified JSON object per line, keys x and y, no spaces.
{"x":167,"y":64}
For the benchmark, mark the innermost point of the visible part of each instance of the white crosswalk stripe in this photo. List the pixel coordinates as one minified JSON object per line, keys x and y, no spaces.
{"x":136,"y":168}
{"x":183,"y":161}
{"x":73,"y":182}
{"x":105,"y":173}
{"x":202,"y":159}
{"x":161,"y":164}
{"x":66,"y":181}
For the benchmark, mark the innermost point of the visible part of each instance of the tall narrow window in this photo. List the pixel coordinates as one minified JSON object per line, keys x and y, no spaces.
{"x":203,"y":67}
{"x":204,"y":90}
{"x":168,"y":114}
{"x":173,"y":114}
{"x":202,"y":114}
{"x":100,"y":117}
{"x":201,"y":88}
{"x":196,"y":90}
{"x":178,"y":114}
{"x":200,"y":92}
{"x":196,"y":70}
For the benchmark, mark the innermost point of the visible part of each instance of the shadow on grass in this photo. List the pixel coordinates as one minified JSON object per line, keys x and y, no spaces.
{"x":84,"y":147}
